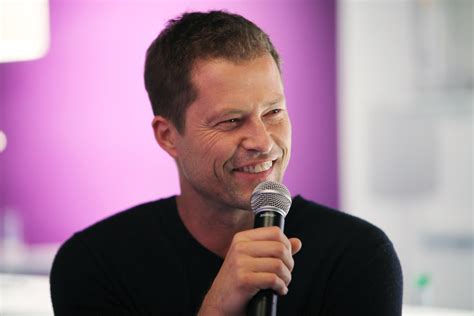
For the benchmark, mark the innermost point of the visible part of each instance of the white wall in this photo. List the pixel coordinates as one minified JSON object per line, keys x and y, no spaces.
{"x":406,"y":118}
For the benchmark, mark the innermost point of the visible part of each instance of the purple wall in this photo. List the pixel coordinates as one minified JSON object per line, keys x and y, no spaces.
{"x":78,"y":121}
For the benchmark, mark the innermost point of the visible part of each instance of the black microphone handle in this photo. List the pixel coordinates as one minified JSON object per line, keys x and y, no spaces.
{"x":264,"y":303}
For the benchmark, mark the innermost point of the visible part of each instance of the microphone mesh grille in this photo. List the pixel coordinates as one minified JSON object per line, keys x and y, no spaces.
{"x":272,"y":194}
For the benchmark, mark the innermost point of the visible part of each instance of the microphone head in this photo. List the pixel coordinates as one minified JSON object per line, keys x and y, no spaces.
{"x":270,"y":195}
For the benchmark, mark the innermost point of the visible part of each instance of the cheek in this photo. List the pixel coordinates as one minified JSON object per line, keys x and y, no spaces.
{"x":208,"y":141}
{"x":212,"y":148}
{"x":288,"y":133}
{"x":282,"y":133}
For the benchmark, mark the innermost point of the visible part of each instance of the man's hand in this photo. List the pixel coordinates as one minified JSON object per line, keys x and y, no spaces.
{"x":257,"y":259}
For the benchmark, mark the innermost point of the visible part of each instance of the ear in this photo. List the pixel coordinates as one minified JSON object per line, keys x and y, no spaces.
{"x":165,"y":134}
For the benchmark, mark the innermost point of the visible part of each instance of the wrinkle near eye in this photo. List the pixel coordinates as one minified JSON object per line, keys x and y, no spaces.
{"x":211,"y":136}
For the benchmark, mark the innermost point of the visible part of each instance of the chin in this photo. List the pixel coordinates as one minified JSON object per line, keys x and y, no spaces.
{"x":241,"y":201}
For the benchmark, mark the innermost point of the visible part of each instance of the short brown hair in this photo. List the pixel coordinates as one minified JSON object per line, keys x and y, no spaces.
{"x":197,"y":36}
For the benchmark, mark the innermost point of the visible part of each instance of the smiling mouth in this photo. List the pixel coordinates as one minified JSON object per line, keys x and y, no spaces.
{"x":261,"y":167}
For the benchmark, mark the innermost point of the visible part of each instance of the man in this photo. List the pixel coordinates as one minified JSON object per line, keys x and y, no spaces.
{"x":215,"y":86}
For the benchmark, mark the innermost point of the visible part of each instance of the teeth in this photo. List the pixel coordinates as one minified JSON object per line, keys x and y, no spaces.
{"x":264,"y":166}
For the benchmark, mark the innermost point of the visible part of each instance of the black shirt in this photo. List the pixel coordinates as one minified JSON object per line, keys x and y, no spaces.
{"x":143,"y":261}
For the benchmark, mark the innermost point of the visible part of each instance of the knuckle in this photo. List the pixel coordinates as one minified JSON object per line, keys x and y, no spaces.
{"x":274,"y":280}
{"x":236,"y":238}
{"x":291,"y":262}
{"x":280,"y":250}
{"x":244,"y":280}
{"x":276,"y":232}
{"x":239,"y":247}
{"x":279,"y":267}
{"x":292,"y":265}
{"x":282,"y":268}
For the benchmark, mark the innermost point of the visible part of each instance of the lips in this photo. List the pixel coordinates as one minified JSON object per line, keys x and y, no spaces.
{"x":256,"y":168}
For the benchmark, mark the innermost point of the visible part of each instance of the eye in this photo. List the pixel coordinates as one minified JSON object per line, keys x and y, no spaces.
{"x":231,"y":121}
{"x":274,"y":112}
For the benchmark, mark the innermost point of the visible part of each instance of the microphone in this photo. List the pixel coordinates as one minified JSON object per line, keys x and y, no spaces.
{"x":270,"y":202}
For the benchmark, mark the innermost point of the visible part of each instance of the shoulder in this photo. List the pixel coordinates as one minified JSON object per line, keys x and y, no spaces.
{"x":319,"y":223}
{"x":121,"y":231}
{"x":92,"y":266}
{"x":353,"y":261}
{"x":130,"y":222}
{"x":337,"y":238}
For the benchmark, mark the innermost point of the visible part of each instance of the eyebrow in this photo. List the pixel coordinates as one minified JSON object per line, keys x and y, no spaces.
{"x":279,"y":99}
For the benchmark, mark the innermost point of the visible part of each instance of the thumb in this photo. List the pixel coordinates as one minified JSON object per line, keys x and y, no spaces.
{"x":295,"y":245}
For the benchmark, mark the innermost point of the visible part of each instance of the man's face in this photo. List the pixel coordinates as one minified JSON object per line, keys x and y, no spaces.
{"x":237,"y":133}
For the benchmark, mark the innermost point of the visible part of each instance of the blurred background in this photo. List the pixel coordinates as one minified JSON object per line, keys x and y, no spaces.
{"x":380,"y":93}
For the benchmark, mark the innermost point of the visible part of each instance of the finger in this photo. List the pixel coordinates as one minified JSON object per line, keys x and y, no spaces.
{"x":271,"y":265}
{"x":266,"y":249}
{"x":296,"y":245}
{"x":273,"y":233}
{"x":265,"y":280}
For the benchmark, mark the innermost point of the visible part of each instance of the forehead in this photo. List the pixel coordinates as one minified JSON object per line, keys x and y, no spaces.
{"x":224,"y":81}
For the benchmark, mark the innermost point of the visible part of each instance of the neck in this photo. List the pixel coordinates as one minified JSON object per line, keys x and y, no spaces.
{"x":213,"y":226}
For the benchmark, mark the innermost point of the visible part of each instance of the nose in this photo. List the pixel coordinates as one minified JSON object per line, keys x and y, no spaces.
{"x":257,"y":138}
